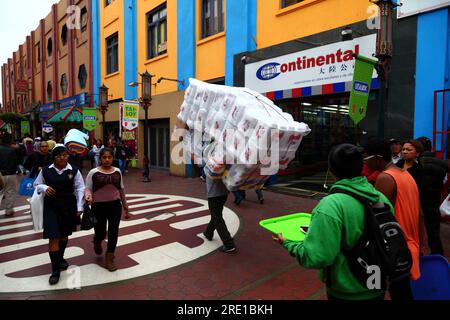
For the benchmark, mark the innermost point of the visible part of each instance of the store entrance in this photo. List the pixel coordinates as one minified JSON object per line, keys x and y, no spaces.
{"x":327,"y":116}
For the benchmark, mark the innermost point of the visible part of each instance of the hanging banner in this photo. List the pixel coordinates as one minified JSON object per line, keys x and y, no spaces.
{"x":359,"y":95}
{"x":89,"y":119}
{"x":24,"y":127}
{"x":130,"y":115}
{"x":129,"y":120}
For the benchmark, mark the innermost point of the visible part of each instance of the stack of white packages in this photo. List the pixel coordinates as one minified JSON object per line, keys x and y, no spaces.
{"x":248,"y":137}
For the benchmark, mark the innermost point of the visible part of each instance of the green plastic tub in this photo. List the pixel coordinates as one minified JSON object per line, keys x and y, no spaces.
{"x":293,"y":226}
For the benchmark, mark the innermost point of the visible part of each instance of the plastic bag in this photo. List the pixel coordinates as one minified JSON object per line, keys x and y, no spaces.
{"x":26,"y":187}
{"x":444,"y":209}
{"x":37,"y":210}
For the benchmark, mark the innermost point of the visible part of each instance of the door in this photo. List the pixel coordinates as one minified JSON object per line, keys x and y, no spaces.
{"x":159,"y":135}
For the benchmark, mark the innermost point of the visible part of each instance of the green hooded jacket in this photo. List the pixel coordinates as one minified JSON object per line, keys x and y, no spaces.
{"x":337,"y":219}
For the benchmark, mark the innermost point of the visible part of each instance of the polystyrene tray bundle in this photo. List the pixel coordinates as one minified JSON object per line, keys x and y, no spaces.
{"x":247,"y":137}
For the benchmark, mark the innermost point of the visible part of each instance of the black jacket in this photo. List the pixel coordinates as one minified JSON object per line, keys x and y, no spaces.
{"x":434,"y":172}
{"x":10,"y":158}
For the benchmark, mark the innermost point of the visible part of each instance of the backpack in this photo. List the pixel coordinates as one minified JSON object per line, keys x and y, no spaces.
{"x":382,"y":244}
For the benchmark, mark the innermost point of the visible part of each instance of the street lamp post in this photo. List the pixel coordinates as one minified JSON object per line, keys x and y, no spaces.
{"x":146,"y":98}
{"x":384,"y":55}
{"x":103,"y":105}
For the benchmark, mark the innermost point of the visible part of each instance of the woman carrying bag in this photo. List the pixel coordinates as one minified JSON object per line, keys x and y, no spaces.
{"x":105,"y":191}
{"x":63,"y":187}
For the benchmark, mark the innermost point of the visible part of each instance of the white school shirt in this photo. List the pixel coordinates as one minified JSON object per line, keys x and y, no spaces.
{"x":79,"y":187}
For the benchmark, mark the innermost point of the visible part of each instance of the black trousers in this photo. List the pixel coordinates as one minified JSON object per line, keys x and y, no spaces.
{"x":432,"y":219}
{"x":107,"y":212}
{"x":217,"y":223}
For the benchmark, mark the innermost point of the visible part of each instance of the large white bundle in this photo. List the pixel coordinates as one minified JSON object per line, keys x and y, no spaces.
{"x":253,"y":138}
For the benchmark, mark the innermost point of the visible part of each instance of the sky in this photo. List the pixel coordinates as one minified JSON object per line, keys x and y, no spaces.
{"x":17,"y":19}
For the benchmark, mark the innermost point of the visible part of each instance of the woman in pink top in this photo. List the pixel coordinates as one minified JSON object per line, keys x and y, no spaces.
{"x":105,"y":191}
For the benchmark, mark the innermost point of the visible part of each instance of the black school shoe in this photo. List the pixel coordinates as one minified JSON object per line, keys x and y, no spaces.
{"x":54,"y":278}
{"x":227,"y":249}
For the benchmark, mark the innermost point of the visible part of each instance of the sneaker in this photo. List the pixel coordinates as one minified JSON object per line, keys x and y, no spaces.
{"x":226,"y":249}
{"x":9,"y":213}
{"x":208,"y":237}
{"x":202,"y":178}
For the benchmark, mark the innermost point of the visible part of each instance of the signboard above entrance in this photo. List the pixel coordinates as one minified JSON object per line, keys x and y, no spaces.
{"x":325,"y":65}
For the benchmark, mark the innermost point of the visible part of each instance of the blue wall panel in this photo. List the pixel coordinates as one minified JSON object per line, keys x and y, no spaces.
{"x":96,"y":49}
{"x":240,"y":28}
{"x":186,"y":50}
{"x":130,"y":48}
{"x":432,"y":56}
{"x":186,"y":42}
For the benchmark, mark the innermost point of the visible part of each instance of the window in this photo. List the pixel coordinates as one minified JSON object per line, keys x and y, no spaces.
{"x":108,"y":2}
{"x":64,"y":35}
{"x":7,"y":80}
{"x":157,"y":32}
{"x":38,"y":53}
{"x":84,"y":19}
{"x":112,"y":54}
{"x":19,"y":72}
{"x":49,"y":47}
{"x":287,"y":3}
{"x":82,"y":76}
{"x":12,"y":77}
{"x":63,"y":84}
{"x":49,"y":91}
{"x":213,"y":16}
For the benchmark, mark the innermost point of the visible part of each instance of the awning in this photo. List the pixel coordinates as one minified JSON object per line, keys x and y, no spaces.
{"x":70,"y":115}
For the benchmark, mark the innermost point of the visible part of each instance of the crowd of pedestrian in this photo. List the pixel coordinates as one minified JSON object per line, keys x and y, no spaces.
{"x":407,"y":178}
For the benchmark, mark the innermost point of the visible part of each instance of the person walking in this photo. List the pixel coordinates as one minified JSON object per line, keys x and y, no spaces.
{"x":63,"y":187}
{"x":217,"y":194}
{"x":434,"y":178}
{"x":401,"y":190}
{"x":36,"y":161}
{"x":240,"y":195}
{"x":10,"y":159}
{"x":337,"y":223}
{"x":96,"y":151}
{"x":105,"y":191}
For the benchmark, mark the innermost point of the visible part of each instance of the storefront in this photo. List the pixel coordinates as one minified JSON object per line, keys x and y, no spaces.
{"x":59,"y":117}
{"x":311,"y":79}
{"x":313,"y":85}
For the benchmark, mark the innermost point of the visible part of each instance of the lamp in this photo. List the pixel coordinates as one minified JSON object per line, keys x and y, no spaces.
{"x":169,"y":79}
{"x":103,"y":105}
{"x":384,"y":55}
{"x":347,"y":34}
{"x":146,"y":98}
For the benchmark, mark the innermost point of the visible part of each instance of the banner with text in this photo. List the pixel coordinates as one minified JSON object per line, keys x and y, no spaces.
{"x":89,"y":119}
{"x":328,"y":64}
{"x":359,"y":95}
{"x":129,"y":120}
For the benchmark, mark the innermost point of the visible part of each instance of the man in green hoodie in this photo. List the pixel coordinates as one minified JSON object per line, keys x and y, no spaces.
{"x":338,"y":222}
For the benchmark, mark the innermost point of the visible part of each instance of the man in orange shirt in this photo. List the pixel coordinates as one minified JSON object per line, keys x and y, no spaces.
{"x":401,"y":189}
